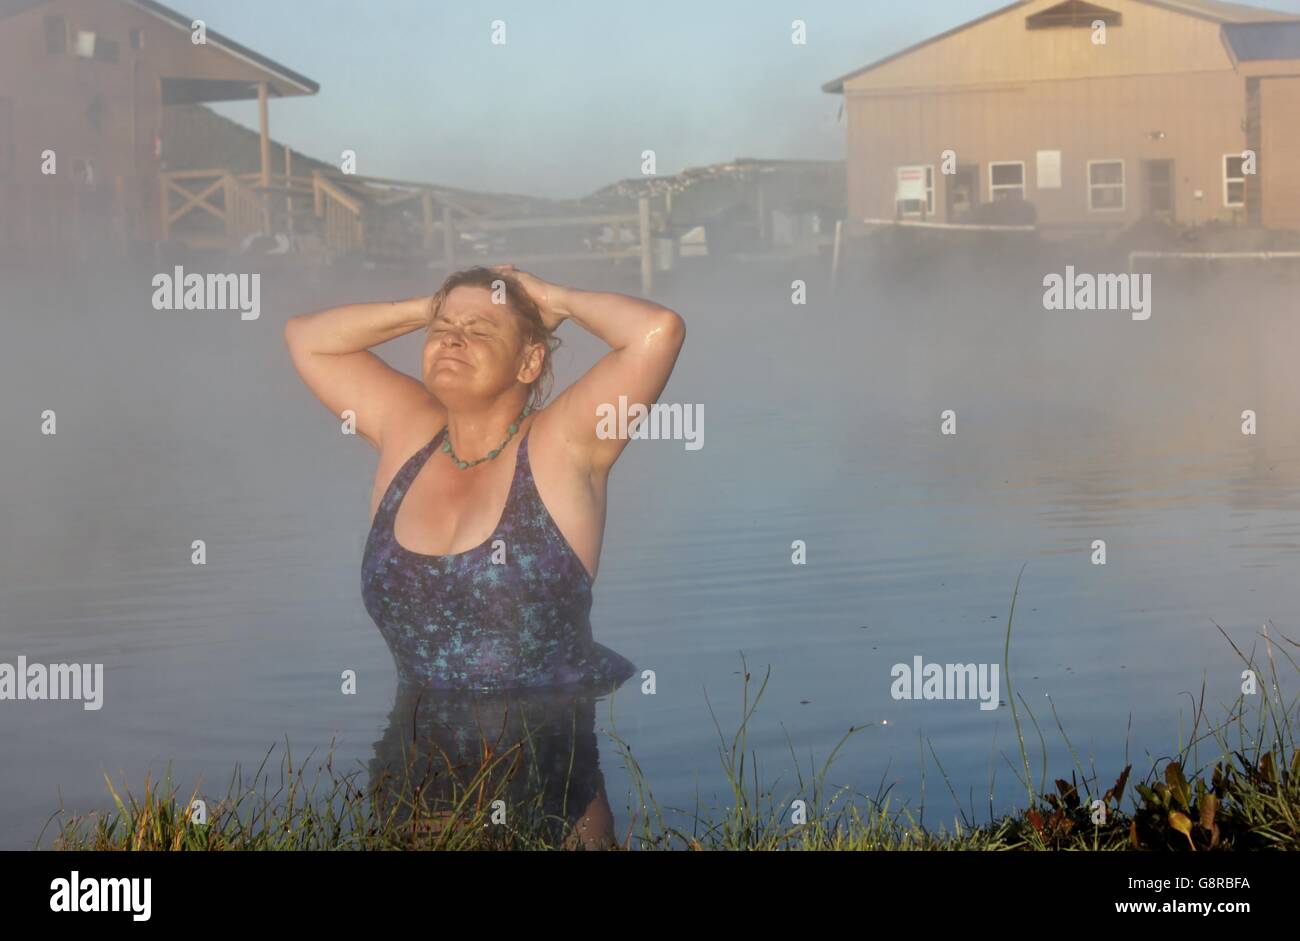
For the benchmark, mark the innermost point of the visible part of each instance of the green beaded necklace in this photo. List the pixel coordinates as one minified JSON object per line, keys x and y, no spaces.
{"x":511,"y":431}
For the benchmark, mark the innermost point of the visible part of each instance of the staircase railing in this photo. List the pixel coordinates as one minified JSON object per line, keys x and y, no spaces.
{"x":341,"y":212}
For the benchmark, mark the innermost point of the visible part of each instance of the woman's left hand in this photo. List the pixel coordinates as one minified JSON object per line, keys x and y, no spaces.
{"x":547,"y":296}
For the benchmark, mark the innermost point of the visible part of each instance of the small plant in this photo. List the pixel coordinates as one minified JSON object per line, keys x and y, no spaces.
{"x":1170,"y":817}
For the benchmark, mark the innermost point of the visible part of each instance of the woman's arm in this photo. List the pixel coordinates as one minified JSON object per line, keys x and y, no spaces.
{"x":645,"y":339}
{"x":331,"y":351}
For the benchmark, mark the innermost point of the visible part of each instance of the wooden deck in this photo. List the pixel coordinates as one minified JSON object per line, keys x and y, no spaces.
{"x":338,"y":216}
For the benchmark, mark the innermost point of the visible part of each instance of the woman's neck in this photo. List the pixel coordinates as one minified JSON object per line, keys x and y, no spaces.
{"x":474,"y":433}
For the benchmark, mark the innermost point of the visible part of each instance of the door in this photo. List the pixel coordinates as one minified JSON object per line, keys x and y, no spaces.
{"x":962,"y":192}
{"x":1159,"y":187}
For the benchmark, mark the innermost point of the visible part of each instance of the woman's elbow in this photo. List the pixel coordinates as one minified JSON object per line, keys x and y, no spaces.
{"x":669,"y":329}
{"x":290,"y":330}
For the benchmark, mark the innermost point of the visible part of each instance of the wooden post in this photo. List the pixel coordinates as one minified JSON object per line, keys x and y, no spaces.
{"x":318,"y":198}
{"x":426,"y":201}
{"x":264,"y":117}
{"x":448,"y":240}
{"x":835,"y":252}
{"x":647,"y":257}
{"x":165,"y":230}
{"x":231,"y":199}
{"x":288,"y":184}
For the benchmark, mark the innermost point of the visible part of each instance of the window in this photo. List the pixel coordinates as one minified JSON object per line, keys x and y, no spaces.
{"x":1105,"y":185}
{"x":85,"y":47}
{"x":106,"y":50}
{"x":1007,"y":180}
{"x":917,"y":207}
{"x":56,"y":35}
{"x":137,"y":39}
{"x":1234,"y":180}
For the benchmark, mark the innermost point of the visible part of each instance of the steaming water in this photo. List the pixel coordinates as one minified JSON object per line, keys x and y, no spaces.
{"x":821,"y":424}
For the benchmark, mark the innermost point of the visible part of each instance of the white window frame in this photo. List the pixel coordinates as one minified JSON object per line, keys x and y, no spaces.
{"x":1022,"y":186}
{"x":83,"y":44}
{"x":1122,"y":185}
{"x":1233,"y":179}
{"x":929,"y":192}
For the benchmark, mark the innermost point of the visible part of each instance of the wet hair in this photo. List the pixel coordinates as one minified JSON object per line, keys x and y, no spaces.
{"x":528,"y":316}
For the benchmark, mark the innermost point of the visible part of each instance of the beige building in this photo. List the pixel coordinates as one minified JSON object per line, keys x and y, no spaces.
{"x":1098,"y":114}
{"x":91,"y":83}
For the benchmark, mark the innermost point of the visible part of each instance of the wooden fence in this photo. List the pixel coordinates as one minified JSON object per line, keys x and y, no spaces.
{"x":373,"y":217}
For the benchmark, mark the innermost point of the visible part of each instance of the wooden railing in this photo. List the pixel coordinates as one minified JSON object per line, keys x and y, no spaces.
{"x":344,"y":232}
{"x":199,"y":218}
{"x":371,"y":215}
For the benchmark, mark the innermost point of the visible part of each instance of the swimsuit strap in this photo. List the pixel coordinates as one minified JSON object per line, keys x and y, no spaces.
{"x":402,"y":480}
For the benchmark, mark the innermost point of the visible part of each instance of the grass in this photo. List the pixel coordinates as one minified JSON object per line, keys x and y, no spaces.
{"x":1244,"y":796}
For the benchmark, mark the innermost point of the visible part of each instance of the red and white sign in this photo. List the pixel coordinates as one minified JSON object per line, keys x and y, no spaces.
{"x":911,"y":184}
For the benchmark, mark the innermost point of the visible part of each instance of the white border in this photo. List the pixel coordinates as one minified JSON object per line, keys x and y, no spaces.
{"x":1235,"y":179}
{"x":1123,"y":185}
{"x":1024,"y":178}
{"x":929,"y":190}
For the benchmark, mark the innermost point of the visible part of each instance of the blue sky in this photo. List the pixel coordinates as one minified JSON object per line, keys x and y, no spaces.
{"x":580,"y":88}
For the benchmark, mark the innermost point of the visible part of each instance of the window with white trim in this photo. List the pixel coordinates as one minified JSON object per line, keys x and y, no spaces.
{"x":1106,"y":185}
{"x":914,"y":207}
{"x":1234,"y":180}
{"x":1007,"y":180}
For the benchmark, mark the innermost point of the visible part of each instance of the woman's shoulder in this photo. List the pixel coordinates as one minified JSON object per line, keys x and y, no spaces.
{"x":412,"y":430}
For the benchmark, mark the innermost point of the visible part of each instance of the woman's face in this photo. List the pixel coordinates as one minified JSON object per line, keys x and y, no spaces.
{"x":473,"y":349}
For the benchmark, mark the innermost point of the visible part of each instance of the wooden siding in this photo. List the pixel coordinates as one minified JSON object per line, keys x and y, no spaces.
{"x":1280,"y":154}
{"x":1200,"y":117}
{"x":89,"y":109}
{"x":1151,"y":41}
{"x":1162,"y":88}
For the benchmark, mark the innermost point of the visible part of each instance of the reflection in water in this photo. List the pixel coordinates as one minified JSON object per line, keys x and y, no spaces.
{"x":535,"y":749}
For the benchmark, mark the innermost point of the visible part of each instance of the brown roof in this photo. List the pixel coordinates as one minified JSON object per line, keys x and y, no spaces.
{"x":1222,"y":12}
{"x":1216,"y":10}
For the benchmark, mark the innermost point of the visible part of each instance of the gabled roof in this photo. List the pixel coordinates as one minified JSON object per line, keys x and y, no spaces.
{"x":290,"y":82}
{"x":302,"y":84}
{"x":1222,"y":12}
{"x":1214,"y":10}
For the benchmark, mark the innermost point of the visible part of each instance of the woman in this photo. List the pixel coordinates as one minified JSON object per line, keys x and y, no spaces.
{"x":485,"y":537}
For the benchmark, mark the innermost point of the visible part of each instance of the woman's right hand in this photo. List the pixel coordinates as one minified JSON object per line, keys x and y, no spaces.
{"x":548,"y":297}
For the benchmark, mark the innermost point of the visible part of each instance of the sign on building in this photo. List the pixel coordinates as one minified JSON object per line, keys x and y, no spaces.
{"x":911,"y":184}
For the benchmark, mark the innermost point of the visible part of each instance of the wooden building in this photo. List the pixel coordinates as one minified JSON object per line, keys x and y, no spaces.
{"x":1098,"y":114}
{"x":90,"y":81}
